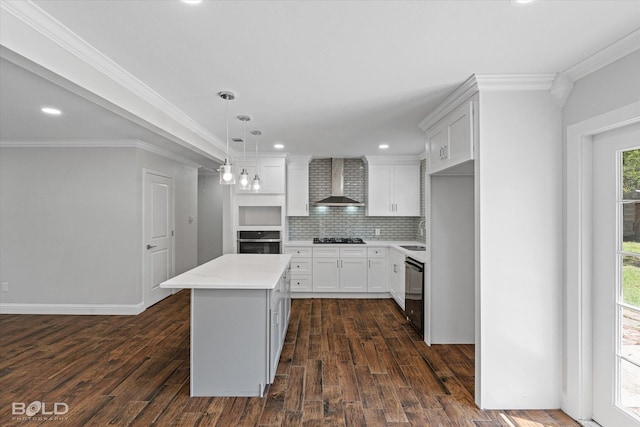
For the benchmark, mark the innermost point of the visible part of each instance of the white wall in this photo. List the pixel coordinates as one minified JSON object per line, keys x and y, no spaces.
{"x":518,"y":182}
{"x":607,"y":89}
{"x":599,"y":100}
{"x":451,"y":305}
{"x":71,"y":227}
{"x":210,"y":233}
{"x":66,"y":224}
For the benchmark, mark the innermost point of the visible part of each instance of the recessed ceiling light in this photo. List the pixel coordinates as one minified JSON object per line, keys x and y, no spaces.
{"x":51,"y":111}
{"x":522,"y":1}
{"x":383,"y":146}
{"x":278,"y":146}
{"x":191,"y":1}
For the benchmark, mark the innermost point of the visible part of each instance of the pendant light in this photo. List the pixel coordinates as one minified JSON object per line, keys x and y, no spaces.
{"x":227,"y":177}
{"x":244,"y":175}
{"x":256,"y":184}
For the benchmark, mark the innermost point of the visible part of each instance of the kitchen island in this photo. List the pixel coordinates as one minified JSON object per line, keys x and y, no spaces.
{"x":240,"y":306}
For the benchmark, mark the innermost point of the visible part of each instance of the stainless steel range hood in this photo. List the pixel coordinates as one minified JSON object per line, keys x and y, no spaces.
{"x":337,"y":187}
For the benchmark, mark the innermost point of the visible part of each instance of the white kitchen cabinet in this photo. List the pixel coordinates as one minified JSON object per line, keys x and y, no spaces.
{"x":393,"y":189}
{"x":279,"y":319}
{"x":450,"y":141}
{"x":353,"y":275}
{"x":298,"y":188}
{"x":326,"y":274}
{"x":396,"y":276}
{"x":377,"y":266}
{"x":340,"y":269}
{"x":301,"y":268}
{"x":271,"y":171}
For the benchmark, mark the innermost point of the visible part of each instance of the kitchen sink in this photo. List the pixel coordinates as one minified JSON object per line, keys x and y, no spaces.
{"x":414,"y":247}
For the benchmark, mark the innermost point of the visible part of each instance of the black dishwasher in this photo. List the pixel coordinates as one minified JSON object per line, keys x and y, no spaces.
{"x":414,"y":293}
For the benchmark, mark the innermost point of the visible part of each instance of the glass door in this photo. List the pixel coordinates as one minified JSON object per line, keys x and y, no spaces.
{"x":616,"y":278}
{"x":628,"y":283}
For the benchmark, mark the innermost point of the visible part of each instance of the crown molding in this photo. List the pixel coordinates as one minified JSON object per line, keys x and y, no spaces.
{"x":388,"y":160}
{"x":507,"y":82}
{"x":165,"y":153}
{"x":124,"y":143}
{"x":619,"y":49}
{"x":176,"y":123}
{"x":486,"y":83}
{"x":299,"y":159}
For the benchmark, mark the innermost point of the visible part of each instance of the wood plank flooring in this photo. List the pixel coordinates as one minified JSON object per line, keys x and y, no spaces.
{"x":344,"y":363}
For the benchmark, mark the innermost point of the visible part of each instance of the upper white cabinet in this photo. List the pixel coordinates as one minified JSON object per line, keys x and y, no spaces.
{"x":393,"y":187}
{"x":298,"y":186}
{"x":271,"y":171}
{"x":450,"y":141}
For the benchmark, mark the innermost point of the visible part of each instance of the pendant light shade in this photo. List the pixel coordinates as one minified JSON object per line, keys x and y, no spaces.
{"x":227,"y":176}
{"x":244,"y":175}
{"x":256,"y":184}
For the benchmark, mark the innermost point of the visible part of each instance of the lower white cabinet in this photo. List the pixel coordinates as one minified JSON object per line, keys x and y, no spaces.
{"x":340,"y":269}
{"x":301,"y":268}
{"x":349,"y":269}
{"x":396,"y":276}
{"x":377,"y":277}
{"x":353,"y":275}
{"x":326,"y":274}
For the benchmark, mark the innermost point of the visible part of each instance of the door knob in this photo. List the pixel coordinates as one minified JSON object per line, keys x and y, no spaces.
{"x":151,"y":246}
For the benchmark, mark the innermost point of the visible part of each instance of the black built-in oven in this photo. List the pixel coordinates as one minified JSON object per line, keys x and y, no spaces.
{"x":259,"y":242}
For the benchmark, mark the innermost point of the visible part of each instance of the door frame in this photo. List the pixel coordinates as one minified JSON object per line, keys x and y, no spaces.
{"x":577,"y":329}
{"x":145,"y":171}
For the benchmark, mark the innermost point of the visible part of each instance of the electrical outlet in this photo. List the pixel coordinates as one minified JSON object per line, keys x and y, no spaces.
{"x":5,"y":286}
{"x":377,"y":230}
{"x":422,"y":231}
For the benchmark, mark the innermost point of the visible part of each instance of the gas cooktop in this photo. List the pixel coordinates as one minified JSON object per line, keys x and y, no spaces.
{"x":338,"y":240}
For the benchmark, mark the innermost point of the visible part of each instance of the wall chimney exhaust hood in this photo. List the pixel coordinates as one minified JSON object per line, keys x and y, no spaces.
{"x":337,"y":187}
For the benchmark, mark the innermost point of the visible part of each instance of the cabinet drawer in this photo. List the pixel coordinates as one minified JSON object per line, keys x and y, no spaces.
{"x":301,"y":283}
{"x":376,"y":252}
{"x":301,"y":265}
{"x":326,"y":252}
{"x":303,"y":251}
{"x":353,"y":252}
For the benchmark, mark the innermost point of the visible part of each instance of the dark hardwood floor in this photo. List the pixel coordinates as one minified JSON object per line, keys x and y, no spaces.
{"x":344,"y":362}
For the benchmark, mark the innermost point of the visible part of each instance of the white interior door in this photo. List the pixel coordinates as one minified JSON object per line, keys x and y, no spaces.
{"x":158,"y":236}
{"x":616,"y":277}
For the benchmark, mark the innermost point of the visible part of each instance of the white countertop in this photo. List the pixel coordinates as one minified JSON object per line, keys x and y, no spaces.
{"x":417,"y":255}
{"x":233,"y":271}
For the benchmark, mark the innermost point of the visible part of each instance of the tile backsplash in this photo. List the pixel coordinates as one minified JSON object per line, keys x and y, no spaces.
{"x":351,"y":221}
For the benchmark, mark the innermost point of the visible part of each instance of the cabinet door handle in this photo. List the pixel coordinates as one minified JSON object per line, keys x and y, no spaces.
{"x":369,"y":263}
{"x":306,"y":207}
{"x":337,"y":263}
{"x":341,"y":263}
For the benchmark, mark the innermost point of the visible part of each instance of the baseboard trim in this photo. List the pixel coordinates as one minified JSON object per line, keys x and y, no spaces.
{"x":340,"y":295}
{"x":588,"y":423}
{"x":72,"y":309}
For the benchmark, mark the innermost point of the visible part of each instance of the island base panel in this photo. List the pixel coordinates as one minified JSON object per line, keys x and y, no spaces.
{"x":229,"y":341}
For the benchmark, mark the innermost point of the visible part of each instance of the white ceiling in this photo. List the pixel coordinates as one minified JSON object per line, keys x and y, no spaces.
{"x":327,"y":78}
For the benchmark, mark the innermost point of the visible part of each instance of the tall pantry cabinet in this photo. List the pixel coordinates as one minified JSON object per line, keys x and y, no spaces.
{"x":508,"y":176}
